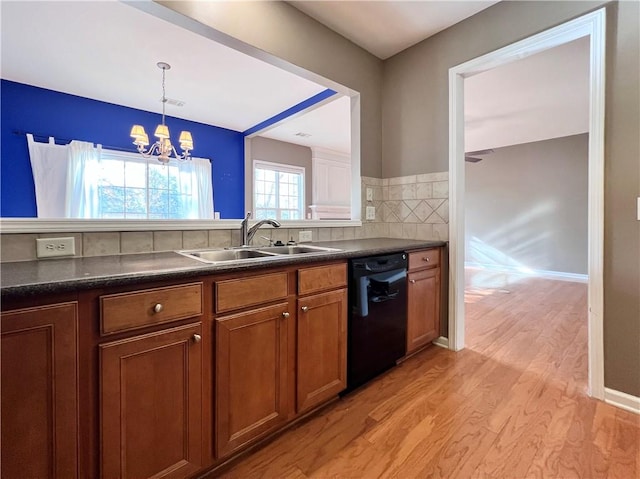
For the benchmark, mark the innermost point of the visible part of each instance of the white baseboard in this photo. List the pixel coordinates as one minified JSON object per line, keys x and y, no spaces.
{"x":537,"y":273}
{"x":622,"y":400}
{"x":442,"y":342}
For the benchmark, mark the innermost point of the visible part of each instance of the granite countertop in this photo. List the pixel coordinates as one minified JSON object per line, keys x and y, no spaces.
{"x":28,"y":278}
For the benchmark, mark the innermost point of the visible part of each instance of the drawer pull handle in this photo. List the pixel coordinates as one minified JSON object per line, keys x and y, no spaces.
{"x":197,"y":338}
{"x":158,"y":308}
{"x":305,"y":308}
{"x":426,"y":258}
{"x":285,"y":314}
{"x":412,"y":281}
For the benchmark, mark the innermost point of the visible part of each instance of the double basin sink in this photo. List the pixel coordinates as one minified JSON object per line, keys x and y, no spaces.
{"x":249,"y":253}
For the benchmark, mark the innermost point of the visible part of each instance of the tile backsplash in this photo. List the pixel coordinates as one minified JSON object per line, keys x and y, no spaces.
{"x":409,"y":207}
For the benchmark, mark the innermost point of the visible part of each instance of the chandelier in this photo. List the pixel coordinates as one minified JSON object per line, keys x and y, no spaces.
{"x":162,"y":149}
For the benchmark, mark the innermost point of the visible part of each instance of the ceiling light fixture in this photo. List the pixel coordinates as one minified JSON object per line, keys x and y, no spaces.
{"x":162,"y":149}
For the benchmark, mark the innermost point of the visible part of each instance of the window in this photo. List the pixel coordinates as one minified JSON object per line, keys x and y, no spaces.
{"x":134,"y":187}
{"x":79,"y":180}
{"x":278,"y":191}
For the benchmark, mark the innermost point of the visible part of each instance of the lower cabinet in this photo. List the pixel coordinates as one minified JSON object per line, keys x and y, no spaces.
{"x":322,"y":348}
{"x":423,"y":313}
{"x":39,"y":392}
{"x":251,"y":375}
{"x":151,"y":404}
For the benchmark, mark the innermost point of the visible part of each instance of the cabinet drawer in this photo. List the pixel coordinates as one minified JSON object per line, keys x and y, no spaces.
{"x":311,"y":280}
{"x":239,"y":293}
{"x":424,"y":259}
{"x":124,"y":311}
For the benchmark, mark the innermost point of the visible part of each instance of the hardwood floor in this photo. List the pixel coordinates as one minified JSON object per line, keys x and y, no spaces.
{"x":513,"y":404}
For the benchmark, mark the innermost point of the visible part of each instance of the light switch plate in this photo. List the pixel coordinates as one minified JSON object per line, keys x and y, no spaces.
{"x":50,"y":247}
{"x":370,"y":212}
{"x":369,"y":194}
{"x":305,"y":236}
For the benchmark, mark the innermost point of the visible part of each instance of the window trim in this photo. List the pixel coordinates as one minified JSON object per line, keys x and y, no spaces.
{"x":284,"y":168}
{"x":125,"y":156}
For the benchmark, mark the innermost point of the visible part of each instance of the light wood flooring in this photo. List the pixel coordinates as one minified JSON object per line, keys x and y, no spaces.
{"x":513,"y":404}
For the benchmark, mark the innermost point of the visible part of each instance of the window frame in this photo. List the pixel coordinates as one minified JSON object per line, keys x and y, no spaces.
{"x":281,"y":168}
{"x":125,"y":156}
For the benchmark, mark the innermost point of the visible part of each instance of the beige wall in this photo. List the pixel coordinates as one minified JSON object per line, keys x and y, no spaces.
{"x":287,"y":33}
{"x":415,"y":95}
{"x":285,"y":153}
{"x":415,"y":140}
{"x":622,"y":187}
{"x":527,"y":205}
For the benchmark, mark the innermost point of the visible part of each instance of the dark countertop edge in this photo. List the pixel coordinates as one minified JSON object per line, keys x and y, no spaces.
{"x":350,"y":249}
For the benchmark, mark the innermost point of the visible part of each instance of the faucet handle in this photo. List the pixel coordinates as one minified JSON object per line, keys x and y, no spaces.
{"x":248,"y":215}
{"x":269,"y":240}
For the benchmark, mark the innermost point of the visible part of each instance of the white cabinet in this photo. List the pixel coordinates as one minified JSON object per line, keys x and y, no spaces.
{"x":331,"y":195}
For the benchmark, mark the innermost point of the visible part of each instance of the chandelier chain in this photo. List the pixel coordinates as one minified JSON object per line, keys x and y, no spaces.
{"x":164,"y":96}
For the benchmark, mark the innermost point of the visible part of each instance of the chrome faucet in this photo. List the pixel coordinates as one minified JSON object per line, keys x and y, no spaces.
{"x":247,"y":233}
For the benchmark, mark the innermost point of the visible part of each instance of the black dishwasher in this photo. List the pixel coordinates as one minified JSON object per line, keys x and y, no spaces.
{"x":377,"y":316}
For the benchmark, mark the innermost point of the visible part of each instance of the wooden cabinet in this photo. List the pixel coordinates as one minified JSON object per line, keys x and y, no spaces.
{"x":39,"y":392}
{"x":423,"y":312}
{"x":151,"y":404}
{"x":251,"y":375}
{"x":322,"y":348}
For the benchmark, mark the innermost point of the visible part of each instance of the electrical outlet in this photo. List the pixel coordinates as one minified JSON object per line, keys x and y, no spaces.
{"x":370,"y":212}
{"x":369,"y":194}
{"x":49,"y":247}
{"x":305,"y":236}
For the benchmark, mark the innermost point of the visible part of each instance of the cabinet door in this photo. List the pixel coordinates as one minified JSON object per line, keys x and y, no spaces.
{"x":322,"y":348}
{"x":151,"y":404}
{"x":39,"y":392}
{"x":423,"y":313}
{"x":251,"y":375}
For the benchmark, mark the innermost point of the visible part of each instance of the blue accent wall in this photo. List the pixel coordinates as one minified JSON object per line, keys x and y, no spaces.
{"x":46,"y":112}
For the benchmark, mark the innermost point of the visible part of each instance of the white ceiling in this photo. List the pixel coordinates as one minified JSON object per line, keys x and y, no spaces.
{"x":108,"y":51}
{"x":315,"y":122}
{"x":386,"y":27}
{"x":537,"y":98}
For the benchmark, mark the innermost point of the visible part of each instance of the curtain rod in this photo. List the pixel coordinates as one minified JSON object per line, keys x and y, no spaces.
{"x":66,"y":141}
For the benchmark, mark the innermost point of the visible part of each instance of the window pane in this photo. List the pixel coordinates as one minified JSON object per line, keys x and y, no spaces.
{"x":158,"y":176}
{"x":136,"y":200}
{"x":158,"y":203}
{"x":112,"y":172}
{"x":135,"y":174}
{"x":111,"y":199}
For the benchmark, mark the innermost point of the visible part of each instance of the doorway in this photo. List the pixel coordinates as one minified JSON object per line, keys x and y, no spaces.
{"x":593,"y":26}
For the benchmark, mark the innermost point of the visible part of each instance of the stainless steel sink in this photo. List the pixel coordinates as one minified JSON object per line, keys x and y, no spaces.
{"x":247,"y":254}
{"x":224,"y":255}
{"x":297,"y":249}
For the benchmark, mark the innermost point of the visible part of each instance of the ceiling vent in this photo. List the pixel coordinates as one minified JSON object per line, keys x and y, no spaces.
{"x":171,"y":101}
{"x":303,"y":135}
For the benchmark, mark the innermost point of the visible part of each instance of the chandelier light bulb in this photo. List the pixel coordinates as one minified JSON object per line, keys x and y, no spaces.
{"x":162,"y":149}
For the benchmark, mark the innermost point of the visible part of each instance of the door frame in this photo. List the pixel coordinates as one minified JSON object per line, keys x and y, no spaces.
{"x":593,"y":25}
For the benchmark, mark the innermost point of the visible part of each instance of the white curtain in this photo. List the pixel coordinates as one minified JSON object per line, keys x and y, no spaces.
{"x":49,"y":167}
{"x":195,"y":180}
{"x":82,"y":180}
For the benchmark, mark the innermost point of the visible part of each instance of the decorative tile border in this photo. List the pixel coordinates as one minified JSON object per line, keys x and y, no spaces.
{"x":410,"y":207}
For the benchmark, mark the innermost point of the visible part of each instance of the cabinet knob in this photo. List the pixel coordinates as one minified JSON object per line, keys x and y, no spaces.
{"x":426,"y":258}
{"x":158,"y":308}
{"x":285,"y":314}
{"x":196,"y":338}
{"x":305,"y":308}
{"x":412,"y":281}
